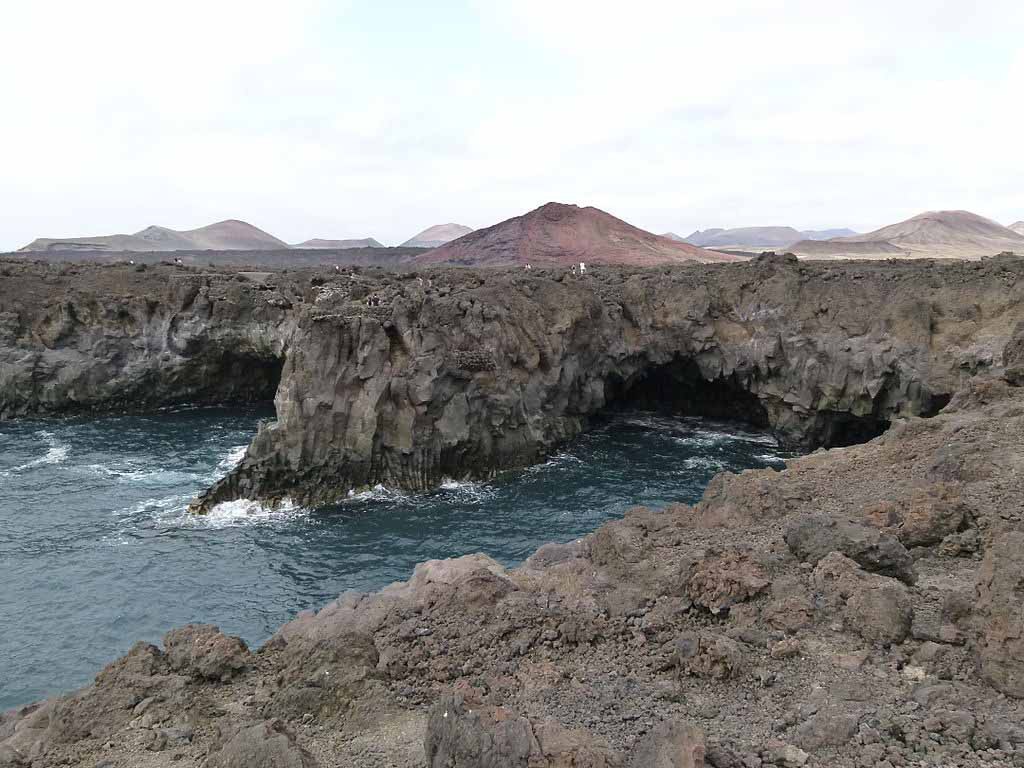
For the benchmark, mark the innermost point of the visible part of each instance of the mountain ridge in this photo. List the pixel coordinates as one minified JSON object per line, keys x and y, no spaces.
{"x":565,"y":234}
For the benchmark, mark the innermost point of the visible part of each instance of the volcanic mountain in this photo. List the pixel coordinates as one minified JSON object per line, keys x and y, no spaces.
{"x":934,"y":234}
{"x":565,"y":234}
{"x":318,"y":242}
{"x":437,"y":235}
{"x":229,"y":235}
{"x":758,"y":237}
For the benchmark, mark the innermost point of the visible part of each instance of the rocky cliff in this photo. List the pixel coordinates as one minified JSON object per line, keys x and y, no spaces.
{"x":84,"y":338}
{"x":406,"y":380}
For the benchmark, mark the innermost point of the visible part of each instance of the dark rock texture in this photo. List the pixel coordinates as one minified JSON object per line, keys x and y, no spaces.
{"x":83,"y":337}
{"x":464,"y":373}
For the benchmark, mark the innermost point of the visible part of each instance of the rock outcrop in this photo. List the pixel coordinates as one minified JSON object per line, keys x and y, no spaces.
{"x":92,"y":338}
{"x":462,"y":374}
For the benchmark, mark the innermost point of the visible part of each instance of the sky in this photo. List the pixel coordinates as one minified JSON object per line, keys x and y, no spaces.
{"x":347,"y":118}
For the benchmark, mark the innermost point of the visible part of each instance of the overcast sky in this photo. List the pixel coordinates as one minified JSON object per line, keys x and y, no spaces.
{"x":378,"y":118}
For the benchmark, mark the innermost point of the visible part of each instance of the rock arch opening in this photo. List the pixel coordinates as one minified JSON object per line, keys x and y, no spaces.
{"x":680,"y":388}
{"x":232,"y":377}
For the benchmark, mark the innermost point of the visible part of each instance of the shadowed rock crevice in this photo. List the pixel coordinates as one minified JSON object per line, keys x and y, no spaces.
{"x":678,"y":388}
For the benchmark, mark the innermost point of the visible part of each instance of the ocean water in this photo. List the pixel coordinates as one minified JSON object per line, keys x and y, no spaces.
{"x":97,"y":549}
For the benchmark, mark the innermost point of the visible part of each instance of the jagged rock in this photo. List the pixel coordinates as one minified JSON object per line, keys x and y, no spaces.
{"x":830,"y":727}
{"x":721,"y":579}
{"x":672,"y":744}
{"x":12,"y":758}
{"x":784,"y":755}
{"x":876,"y":607}
{"x":708,"y":655}
{"x":202,"y":650}
{"x":266,"y":745}
{"x":322,"y":676}
{"x":461,"y":734}
{"x":408,"y":406}
{"x":999,"y":646}
{"x":812,"y":537}
{"x":1013,"y":356}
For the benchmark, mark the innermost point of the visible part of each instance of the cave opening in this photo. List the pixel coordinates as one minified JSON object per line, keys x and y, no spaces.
{"x":235,"y":377}
{"x":678,"y":388}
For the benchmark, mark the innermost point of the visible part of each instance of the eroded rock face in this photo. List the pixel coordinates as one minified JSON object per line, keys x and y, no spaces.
{"x":468,"y":734}
{"x":463,"y":374}
{"x":202,"y":650}
{"x":1000,"y":643}
{"x":812,"y":537}
{"x":79,"y":338}
{"x":265,"y":745}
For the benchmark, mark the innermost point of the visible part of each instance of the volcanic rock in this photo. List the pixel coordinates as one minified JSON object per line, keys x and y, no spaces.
{"x":1000,"y":642}
{"x":270,"y":744}
{"x":566,"y":234}
{"x":202,"y":650}
{"x":812,"y":537}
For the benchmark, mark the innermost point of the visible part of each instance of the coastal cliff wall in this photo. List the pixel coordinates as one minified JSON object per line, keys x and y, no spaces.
{"x":461,"y":373}
{"x":81,"y":338}
{"x":405,"y":379}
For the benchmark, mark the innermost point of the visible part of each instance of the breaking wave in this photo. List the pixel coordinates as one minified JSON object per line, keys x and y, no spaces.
{"x":57,"y":453}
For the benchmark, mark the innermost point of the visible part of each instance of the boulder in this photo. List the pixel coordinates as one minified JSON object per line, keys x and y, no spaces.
{"x":876,"y":607}
{"x":721,"y":579}
{"x":264,"y":745}
{"x":708,"y":655}
{"x":464,"y":733}
{"x":322,"y":676}
{"x":672,"y":744}
{"x":811,"y":537}
{"x":999,"y":644}
{"x":203,"y":651}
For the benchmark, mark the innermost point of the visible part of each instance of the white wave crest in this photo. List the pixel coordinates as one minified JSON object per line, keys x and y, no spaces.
{"x":240,"y":512}
{"x":466,"y":491}
{"x":703,"y":462}
{"x":377,"y":493}
{"x":57,"y":453}
{"x":232,"y":459}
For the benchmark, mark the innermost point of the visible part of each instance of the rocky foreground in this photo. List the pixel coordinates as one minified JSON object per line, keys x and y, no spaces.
{"x":864,"y":607}
{"x":860,"y":608}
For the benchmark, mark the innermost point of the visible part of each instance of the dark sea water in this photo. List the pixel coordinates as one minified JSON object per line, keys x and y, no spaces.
{"x":97,"y":549}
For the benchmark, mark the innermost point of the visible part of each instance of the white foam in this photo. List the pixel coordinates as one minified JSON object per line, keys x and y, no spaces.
{"x":377,"y":493}
{"x":56,"y":454}
{"x":467,"y":491}
{"x":770,"y":457}
{"x":702,"y":462}
{"x":239,"y":512}
{"x":232,"y":459}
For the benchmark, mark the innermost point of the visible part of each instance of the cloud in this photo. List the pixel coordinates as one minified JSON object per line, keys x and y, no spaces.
{"x":316,"y":118}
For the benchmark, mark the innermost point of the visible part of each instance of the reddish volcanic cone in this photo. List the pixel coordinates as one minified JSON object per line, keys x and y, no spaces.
{"x":566,"y":234}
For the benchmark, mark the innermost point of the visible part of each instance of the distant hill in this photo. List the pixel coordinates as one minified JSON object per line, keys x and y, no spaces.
{"x":758,"y":237}
{"x":229,"y":235}
{"x":566,"y":234}
{"x":1018,"y":227}
{"x":934,"y":234}
{"x":317,"y":242}
{"x":827,"y":234}
{"x":437,"y":235}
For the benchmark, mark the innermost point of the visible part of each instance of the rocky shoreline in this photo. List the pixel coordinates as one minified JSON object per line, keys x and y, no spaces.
{"x":861,"y":607}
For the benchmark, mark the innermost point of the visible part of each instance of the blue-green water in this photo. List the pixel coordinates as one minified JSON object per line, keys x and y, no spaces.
{"x":97,"y":550}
